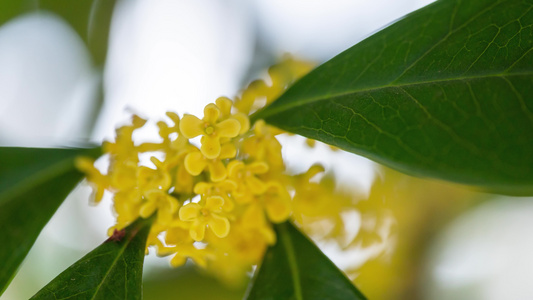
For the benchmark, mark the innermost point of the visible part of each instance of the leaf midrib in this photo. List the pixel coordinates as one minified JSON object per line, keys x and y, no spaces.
{"x":112,"y":266}
{"x":293,"y":265}
{"x":269,"y":111}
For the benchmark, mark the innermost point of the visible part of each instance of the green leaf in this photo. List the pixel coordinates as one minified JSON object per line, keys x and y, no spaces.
{"x":10,"y":9}
{"x":295,"y":268}
{"x":111,"y":271}
{"x":33,"y":183}
{"x":445,"y":92}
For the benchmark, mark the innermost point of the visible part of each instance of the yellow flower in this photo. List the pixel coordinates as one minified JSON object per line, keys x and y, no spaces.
{"x":149,"y":179}
{"x":165,"y":204}
{"x":182,"y":246}
{"x":225,"y":105}
{"x":196,"y":162}
{"x":276,"y":201}
{"x":96,"y":179}
{"x":210,"y":129}
{"x":255,"y":90}
{"x":263,"y":145}
{"x":209,"y":214}
{"x":245,"y":175}
{"x":123,"y":148}
{"x":222,"y":189}
{"x":254,"y":220}
{"x":127,"y":204}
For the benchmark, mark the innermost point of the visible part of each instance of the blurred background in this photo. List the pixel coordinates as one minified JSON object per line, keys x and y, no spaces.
{"x":72,"y":71}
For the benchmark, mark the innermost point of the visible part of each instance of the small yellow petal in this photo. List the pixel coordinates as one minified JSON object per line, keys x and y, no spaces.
{"x":137,"y":121}
{"x":259,"y":127}
{"x":164,"y":217}
{"x":173,"y":116}
{"x":278,"y":209}
{"x":258,"y":167}
{"x":228,"y":204}
{"x":228,"y":150}
{"x":253,"y":216}
{"x":173,"y":204}
{"x":147,"y":209}
{"x":224,"y":104}
{"x":189,"y":211}
{"x":178,"y":260}
{"x":243,"y":120}
{"x":228,"y":128}
{"x":277,"y":202}
{"x":195,"y":163}
{"x":217,"y":171}
{"x":234,"y":168}
{"x":197,"y":231}
{"x":211,"y":113}
{"x":214,"y":203}
{"x":191,"y":126}
{"x":255,"y":185}
{"x":228,"y":185}
{"x":219,"y":225}
{"x":200,"y":260}
{"x":202,"y":188}
{"x":210,"y":146}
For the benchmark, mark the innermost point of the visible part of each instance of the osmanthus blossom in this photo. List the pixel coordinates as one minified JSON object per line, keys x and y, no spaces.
{"x":216,"y":202}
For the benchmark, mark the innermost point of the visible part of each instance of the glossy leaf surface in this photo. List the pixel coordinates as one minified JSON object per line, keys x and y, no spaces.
{"x":111,"y":271}
{"x":445,"y":92}
{"x":295,"y":268}
{"x":33,"y":183}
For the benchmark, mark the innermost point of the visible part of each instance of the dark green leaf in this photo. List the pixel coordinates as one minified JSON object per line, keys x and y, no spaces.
{"x":33,"y":183}
{"x":111,"y":271}
{"x":295,"y":268}
{"x":10,"y":9}
{"x":446,"y":92}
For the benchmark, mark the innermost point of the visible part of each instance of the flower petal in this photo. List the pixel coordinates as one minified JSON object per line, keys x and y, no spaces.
{"x":278,"y":209}
{"x":217,"y":171}
{"x":228,"y":185}
{"x":178,"y":260}
{"x":211,"y":113}
{"x":197,"y":231}
{"x":228,"y":128}
{"x":191,"y":126}
{"x":258,"y":167}
{"x":219,"y":225}
{"x":202,"y":188}
{"x":214,"y":203}
{"x":210,"y":146}
{"x":234,"y":168}
{"x":147,"y":209}
{"x":255,"y":185}
{"x":195,"y":163}
{"x":277,"y":202}
{"x":189,"y":211}
{"x":243,"y":120}
{"x":224,"y":104}
{"x":228,"y":150}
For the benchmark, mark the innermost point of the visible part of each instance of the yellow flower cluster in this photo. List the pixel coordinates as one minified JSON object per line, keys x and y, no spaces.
{"x":215,"y":203}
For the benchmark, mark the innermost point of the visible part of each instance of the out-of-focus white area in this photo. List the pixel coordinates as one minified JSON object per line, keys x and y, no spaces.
{"x":319,"y":30}
{"x":179,"y":56}
{"x":485,"y":254}
{"x":43,"y":86}
{"x":173,"y":55}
